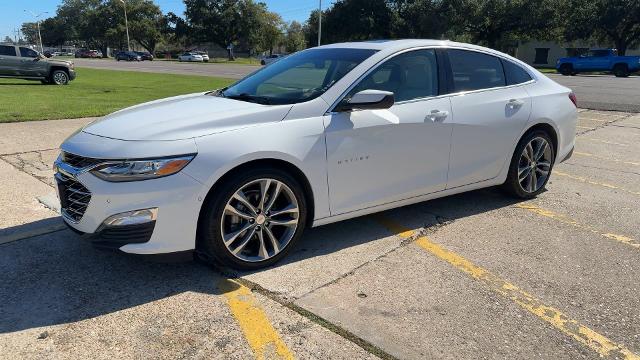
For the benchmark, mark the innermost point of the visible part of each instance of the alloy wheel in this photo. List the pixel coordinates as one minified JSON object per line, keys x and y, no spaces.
{"x":534,"y":165}
{"x":259,"y":220}
{"x":60,"y":78}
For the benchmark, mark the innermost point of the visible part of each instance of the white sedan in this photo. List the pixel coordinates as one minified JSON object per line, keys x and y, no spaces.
{"x":324,"y":135}
{"x":190,"y":57}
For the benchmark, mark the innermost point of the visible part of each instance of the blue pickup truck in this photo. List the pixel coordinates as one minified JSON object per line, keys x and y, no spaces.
{"x":599,"y":60}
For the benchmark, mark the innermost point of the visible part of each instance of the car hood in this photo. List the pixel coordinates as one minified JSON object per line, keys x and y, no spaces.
{"x":58,"y":62}
{"x":184,"y":117}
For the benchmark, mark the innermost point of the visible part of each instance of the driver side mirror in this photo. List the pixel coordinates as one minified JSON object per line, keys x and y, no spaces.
{"x":367,"y":100}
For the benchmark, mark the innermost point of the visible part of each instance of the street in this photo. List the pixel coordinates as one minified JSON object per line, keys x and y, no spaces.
{"x":601,"y":92}
{"x":476,"y":275}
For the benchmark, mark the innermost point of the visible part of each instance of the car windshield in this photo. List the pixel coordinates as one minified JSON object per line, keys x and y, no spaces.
{"x":297,"y":78}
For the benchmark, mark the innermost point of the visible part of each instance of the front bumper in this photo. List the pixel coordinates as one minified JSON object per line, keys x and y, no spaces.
{"x":172,"y":231}
{"x":72,"y":74}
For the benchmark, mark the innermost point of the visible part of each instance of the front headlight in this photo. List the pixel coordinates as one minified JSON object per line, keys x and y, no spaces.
{"x":135,"y":170}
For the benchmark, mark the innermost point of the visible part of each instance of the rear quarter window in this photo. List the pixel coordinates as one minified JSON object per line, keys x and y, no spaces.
{"x":514,"y":73}
{"x":7,"y":50}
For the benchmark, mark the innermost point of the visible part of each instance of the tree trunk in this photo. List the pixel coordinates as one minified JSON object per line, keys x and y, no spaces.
{"x":621,"y":45}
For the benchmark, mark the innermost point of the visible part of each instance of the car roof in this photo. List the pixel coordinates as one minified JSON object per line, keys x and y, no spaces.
{"x":398,"y":45}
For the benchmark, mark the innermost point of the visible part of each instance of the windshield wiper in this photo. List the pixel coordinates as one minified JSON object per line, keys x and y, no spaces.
{"x":250,"y":98}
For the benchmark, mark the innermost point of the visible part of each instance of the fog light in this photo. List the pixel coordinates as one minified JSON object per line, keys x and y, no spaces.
{"x":132,"y":217}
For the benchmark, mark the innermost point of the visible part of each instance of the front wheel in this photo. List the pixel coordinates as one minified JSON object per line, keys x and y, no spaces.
{"x":531,"y":165}
{"x":60,"y":77}
{"x":252,"y":220}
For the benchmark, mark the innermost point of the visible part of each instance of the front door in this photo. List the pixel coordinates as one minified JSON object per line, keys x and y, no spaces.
{"x":381,"y":156}
{"x":488,"y":116}
{"x":31,"y":64}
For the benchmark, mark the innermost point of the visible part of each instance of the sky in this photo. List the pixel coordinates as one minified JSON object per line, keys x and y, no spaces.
{"x":12,"y":13}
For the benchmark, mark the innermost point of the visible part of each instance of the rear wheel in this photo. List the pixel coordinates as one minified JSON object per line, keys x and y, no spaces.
{"x":253,"y":220}
{"x":60,"y":77}
{"x":621,"y":70}
{"x":531,"y":165}
{"x":566,"y":69}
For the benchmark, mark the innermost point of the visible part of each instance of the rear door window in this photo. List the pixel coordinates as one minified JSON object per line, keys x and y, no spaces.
{"x":514,"y":73}
{"x":7,"y":50}
{"x":475,"y":71}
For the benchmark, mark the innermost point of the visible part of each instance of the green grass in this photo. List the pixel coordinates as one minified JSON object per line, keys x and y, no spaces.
{"x":94,"y":93}
{"x":547,"y":70}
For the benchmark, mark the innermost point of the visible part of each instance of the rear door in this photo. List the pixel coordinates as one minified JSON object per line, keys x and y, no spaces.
{"x":9,"y":62}
{"x":489,"y":113}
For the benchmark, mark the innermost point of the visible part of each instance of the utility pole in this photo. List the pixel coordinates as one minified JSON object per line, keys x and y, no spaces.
{"x":126,"y":24}
{"x":37,"y":17}
{"x":319,"y":21}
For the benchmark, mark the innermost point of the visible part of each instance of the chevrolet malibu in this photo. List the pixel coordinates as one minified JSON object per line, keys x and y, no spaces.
{"x":324,"y":135}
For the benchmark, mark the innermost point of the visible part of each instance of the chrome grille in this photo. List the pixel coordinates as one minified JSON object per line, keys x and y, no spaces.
{"x":78,"y":161}
{"x":74,"y":197}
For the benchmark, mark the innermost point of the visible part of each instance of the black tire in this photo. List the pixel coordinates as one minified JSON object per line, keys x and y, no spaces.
{"x":621,"y":70}
{"x":210,"y":243}
{"x":512,"y":185}
{"x":59,"y":77}
{"x":566,"y":69}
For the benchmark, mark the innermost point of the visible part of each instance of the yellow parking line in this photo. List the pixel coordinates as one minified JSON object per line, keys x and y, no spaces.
{"x":566,"y":220}
{"x":583,"y":334}
{"x":592,"y":182}
{"x":605,"y":141}
{"x":262,"y":337}
{"x":605,"y":158}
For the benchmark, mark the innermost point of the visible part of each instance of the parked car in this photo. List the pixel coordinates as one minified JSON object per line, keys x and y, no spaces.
{"x":84,"y":53}
{"x":145,"y":55}
{"x":599,"y":60}
{"x":21,"y":62}
{"x":205,"y":55}
{"x":128,"y":56}
{"x":189,"y":56}
{"x":323,"y":135}
{"x":271,"y":59}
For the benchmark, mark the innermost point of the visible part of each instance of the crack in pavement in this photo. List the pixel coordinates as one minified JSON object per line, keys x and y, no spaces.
{"x":605,"y":124}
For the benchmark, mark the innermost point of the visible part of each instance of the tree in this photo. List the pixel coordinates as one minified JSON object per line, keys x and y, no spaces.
{"x":30,"y":32}
{"x":8,"y":40}
{"x":419,"y":18}
{"x":614,"y":21}
{"x":269,"y":31}
{"x":294,"y":39}
{"x":495,"y":23}
{"x":53,"y":32}
{"x":352,"y":20}
{"x":224,"y":22}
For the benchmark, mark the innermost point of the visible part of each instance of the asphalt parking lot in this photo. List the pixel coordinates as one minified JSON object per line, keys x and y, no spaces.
{"x":476,"y":275}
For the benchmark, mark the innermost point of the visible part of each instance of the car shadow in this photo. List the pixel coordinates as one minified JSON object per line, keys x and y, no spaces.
{"x":58,"y":278}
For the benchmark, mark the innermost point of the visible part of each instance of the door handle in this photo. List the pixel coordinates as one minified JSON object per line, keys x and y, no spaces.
{"x":515,"y":103}
{"x":437,"y":116}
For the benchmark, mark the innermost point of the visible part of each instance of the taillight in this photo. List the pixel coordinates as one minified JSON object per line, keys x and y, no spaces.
{"x":573,"y":98}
